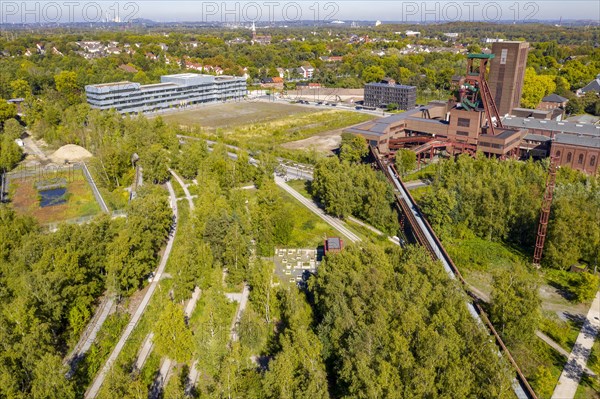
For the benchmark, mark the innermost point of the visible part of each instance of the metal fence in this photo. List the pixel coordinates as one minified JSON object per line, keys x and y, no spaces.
{"x":95,"y":190}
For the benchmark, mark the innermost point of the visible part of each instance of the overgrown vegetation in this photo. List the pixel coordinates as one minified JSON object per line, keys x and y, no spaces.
{"x":501,"y":200}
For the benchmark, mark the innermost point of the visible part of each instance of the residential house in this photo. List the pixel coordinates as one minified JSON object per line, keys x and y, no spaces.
{"x":594,"y":86}
{"x":306,"y":71}
{"x":272,"y":83}
{"x":128,"y":68}
{"x":553,"y":101}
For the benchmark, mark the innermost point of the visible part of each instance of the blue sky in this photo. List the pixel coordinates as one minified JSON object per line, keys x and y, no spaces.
{"x":370,"y":10}
{"x":265,"y":10}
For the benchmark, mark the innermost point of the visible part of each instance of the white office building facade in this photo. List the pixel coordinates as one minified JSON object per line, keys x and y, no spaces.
{"x":173,"y":91}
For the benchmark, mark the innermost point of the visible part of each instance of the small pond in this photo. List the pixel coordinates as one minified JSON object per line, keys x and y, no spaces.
{"x":55,"y":196}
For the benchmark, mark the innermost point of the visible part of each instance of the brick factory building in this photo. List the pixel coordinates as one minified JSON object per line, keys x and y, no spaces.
{"x":507,"y":71}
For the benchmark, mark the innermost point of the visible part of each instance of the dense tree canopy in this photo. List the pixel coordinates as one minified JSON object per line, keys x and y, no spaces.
{"x":346,"y":189}
{"x":394,"y":325}
{"x":501,"y":201}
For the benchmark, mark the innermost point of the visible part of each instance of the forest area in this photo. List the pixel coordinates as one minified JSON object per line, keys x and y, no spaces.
{"x":318,"y":343}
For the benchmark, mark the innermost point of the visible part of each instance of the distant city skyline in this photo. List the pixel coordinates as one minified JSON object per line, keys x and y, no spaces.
{"x":244,"y":12}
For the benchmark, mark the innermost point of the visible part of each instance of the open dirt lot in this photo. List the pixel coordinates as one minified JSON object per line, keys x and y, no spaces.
{"x":322,"y":142}
{"x":326,"y":94}
{"x":231,"y":115}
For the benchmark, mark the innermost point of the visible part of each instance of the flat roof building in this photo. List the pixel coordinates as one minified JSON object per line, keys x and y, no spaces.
{"x":383,"y":94}
{"x":333,"y":245}
{"x":177,"y":90}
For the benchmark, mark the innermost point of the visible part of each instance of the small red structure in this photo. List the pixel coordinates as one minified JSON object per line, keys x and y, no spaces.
{"x":333,"y":245}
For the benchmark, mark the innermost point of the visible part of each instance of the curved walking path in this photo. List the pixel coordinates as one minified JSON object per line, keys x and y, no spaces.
{"x":95,"y":387}
{"x":185,"y":188}
{"x":577,"y":362}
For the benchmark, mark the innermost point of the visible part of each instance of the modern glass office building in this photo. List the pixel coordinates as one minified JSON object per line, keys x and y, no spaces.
{"x":173,"y":91}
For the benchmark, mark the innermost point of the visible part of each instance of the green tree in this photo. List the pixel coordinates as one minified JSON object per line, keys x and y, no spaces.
{"x":66,"y":85}
{"x":515,"y":305}
{"x":155,"y":164}
{"x":13,"y":129}
{"x":353,"y":148}
{"x":544,"y":382}
{"x":535,"y":87}
{"x":584,"y":286}
{"x":406,"y":161}
{"x":10,"y":152}
{"x":172,"y":338}
{"x":190,"y":158}
{"x":393,"y":106}
{"x":262,"y":292}
{"x":20,"y":88}
{"x":49,"y":380}
{"x":574,"y":106}
{"x":373,"y":74}
{"x":7,"y":111}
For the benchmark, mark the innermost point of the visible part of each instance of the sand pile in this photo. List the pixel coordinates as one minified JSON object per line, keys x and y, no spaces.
{"x":70,"y":152}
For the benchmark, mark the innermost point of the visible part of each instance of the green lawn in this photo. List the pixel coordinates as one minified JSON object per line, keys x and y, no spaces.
{"x":426,"y":172}
{"x":309,"y":229}
{"x":301,"y":186}
{"x":562,"y":332}
{"x":179,"y":193}
{"x":537,"y":355}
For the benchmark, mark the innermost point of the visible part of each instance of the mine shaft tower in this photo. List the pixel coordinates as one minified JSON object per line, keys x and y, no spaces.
{"x":475,"y":94}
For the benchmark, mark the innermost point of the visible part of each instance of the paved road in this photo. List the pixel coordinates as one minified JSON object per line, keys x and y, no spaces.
{"x":192,"y":378}
{"x":161,"y":379}
{"x":333,"y":222}
{"x":576,"y":364}
{"x":95,"y":387}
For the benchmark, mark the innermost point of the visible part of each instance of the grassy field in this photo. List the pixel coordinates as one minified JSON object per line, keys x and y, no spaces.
{"x":231,"y":115}
{"x":539,"y":355}
{"x":260,"y":125}
{"x":300,"y":186}
{"x":80,"y":199}
{"x":309,"y":229}
{"x":292,"y":128}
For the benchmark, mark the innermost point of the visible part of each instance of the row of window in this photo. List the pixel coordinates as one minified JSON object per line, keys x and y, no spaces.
{"x":579,"y":159}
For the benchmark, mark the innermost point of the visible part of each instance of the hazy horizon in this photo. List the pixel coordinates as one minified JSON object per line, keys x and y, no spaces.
{"x":245,"y":12}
